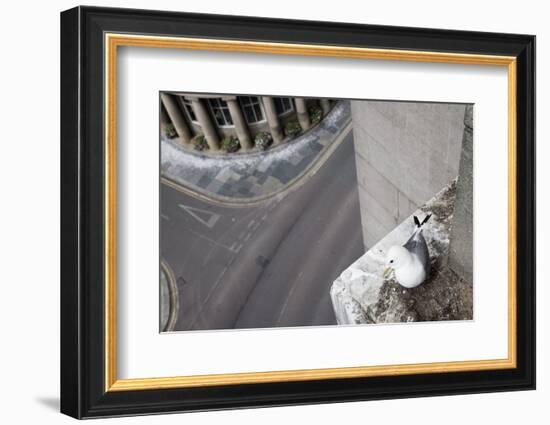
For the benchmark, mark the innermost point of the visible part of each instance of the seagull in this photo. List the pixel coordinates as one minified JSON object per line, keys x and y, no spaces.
{"x":411,"y":262}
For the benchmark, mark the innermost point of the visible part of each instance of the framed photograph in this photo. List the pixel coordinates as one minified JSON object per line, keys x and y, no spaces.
{"x":261,"y":212}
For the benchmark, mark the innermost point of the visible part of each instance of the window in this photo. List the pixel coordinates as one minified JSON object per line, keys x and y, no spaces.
{"x":189,"y":109}
{"x":252,"y":110}
{"x":220,"y":111}
{"x":282,"y":105}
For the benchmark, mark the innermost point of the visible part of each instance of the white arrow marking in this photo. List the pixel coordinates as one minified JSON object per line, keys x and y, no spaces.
{"x":209,"y":219}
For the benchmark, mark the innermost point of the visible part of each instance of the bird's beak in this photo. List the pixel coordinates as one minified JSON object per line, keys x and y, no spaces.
{"x":387,"y":272}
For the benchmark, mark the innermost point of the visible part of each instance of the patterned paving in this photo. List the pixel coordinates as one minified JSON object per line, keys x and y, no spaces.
{"x":252,"y":175}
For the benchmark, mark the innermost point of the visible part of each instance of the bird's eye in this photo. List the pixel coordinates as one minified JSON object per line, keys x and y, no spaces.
{"x":391,"y":261}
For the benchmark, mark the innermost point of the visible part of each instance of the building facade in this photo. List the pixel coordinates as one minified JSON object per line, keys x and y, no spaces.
{"x":220,"y":123}
{"x":405,"y":153}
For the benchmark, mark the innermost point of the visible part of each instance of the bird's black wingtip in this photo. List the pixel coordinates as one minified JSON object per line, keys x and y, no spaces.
{"x":418,"y":223}
{"x":426,"y":219}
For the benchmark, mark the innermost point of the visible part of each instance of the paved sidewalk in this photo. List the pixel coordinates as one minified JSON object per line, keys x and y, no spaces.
{"x":248,"y":176}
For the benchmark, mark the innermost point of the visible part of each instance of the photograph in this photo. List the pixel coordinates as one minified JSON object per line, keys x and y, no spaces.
{"x":285,"y":207}
{"x":280,"y":212}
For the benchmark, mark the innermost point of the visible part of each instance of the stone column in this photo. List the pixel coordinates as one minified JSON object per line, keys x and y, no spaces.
{"x":272,"y":119}
{"x":176,"y":116}
{"x":325,"y":105}
{"x":164,"y":119}
{"x":241,"y":128}
{"x":301,"y":110}
{"x":208,"y":128}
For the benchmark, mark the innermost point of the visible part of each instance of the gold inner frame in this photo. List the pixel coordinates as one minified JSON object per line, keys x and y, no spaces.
{"x":113,"y":41}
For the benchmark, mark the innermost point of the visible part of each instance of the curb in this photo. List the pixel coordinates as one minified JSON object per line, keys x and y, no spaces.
{"x":174,"y":297}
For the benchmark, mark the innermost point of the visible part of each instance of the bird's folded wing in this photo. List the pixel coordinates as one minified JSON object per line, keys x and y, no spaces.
{"x":417,"y":245}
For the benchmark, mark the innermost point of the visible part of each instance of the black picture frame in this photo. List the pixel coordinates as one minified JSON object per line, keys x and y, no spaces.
{"x":83,"y":392}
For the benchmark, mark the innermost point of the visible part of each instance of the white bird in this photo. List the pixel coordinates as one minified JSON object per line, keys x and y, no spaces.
{"x":411,"y":262}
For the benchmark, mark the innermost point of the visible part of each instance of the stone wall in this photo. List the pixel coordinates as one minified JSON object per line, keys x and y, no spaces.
{"x":461,"y":248}
{"x":405,"y":153}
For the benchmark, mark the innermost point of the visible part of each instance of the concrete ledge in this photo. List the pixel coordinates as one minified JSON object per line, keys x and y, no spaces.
{"x":360,"y":295}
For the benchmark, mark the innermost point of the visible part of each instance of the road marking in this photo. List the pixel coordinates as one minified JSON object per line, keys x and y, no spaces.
{"x":235,"y":247}
{"x":212,"y":241}
{"x":165,"y":217}
{"x":209,"y":219}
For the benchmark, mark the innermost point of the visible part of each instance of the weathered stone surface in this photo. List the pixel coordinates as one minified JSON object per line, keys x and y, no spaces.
{"x":461,"y":249}
{"x":361,"y":295}
{"x":445,"y":296}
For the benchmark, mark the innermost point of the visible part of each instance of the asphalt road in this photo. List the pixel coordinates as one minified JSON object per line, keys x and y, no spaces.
{"x":268,"y":265}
